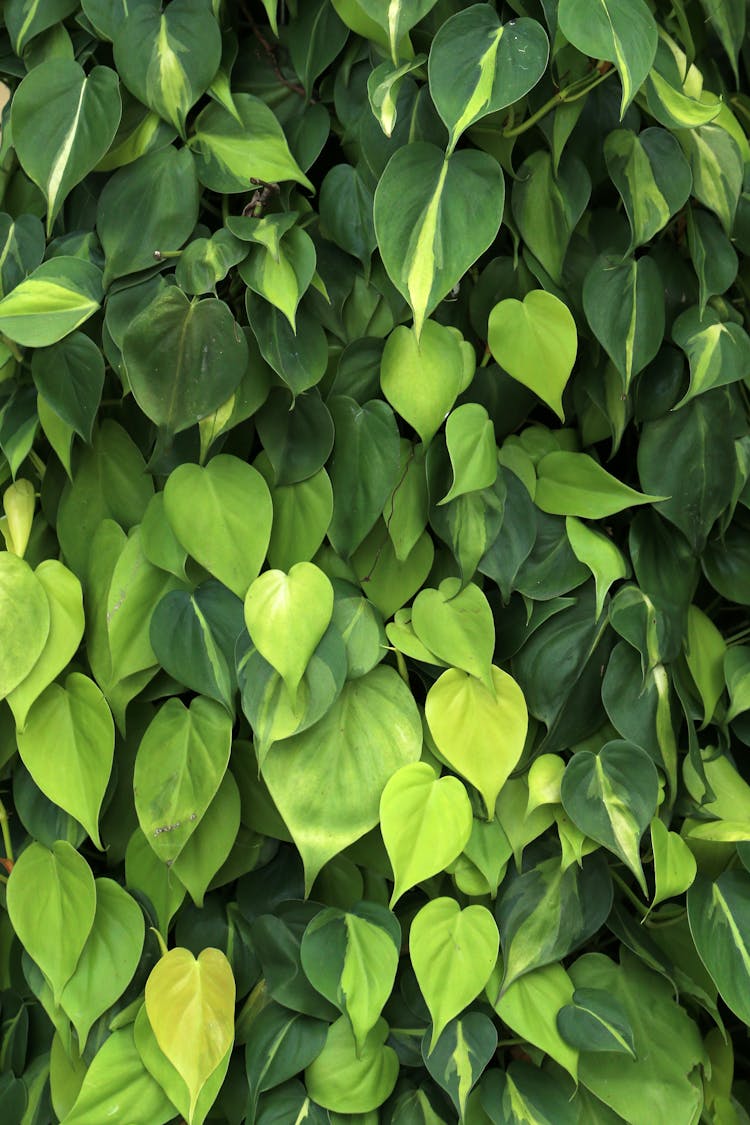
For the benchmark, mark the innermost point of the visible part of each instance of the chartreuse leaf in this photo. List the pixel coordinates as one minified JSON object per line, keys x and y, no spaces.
{"x":63,"y":122}
{"x":51,"y":900}
{"x":108,"y":959}
{"x":652,"y":176}
{"x":168,"y":59}
{"x":190,"y":1006}
{"x":426,"y":822}
{"x":118,"y":1086}
{"x":423,"y":376}
{"x":212,"y":841}
{"x":705,"y":649}
{"x":53,"y":300}
{"x":457,"y":626}
{"x":67,"y":745}
{"x":624,"y":303}
{"x":478,"y":66}
{"x":229,"y":151}
{"x":536,"y":342}
{"x":25,"y":621}
{"x":718,"y":352}
{"x":453,"y":953}
{"x":208,"y":511}
{"x":178,"y":768}
{"x":460,"y":1055}
{"x":737,"y":676}
{"x":612,"y":796}
{"x":470,"y":439}
{"x":286,"y":616}
{"x":574,"y":484}
{"x":596,"y":1021}
{"x":674,"y":864}
{"x":327,"y":781}
{"x":530,"y":1006}
{"x":718,"y":913}
{"x":283,"y":278}
{"x":351,"y":958}
{"x":434,"y":216}
{"x":622,"y":31}
{"x":596,"y":551}
{"x":480,"y":733}
{"x":348,"y":1079}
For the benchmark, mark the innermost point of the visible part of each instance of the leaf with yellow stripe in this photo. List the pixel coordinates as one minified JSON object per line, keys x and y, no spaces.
{"x":621,"y":31}
{"x":168,"y":59}
{"x":63,"y":122}
{"x":719,"y":917}
{"x":479,"y":66}
{"x":612,"y":797}
{"x":395,"y":17}
{"x":624,"y":304}
{"x":651,"y":175}
{"x":51,"y":302}
{"x":434,"y":216}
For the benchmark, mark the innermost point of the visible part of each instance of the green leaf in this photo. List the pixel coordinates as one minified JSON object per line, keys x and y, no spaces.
{"x":596,"y":551}
{"x":327,"y":781}
{"x":717,"y":167}
{"x":23,"y":246}
{"x":207,"y":509}
{"x":422,"y":377}
{"x":67,"y":745}
{"x":396,"y":19}
{"x":470,"y":438}
{"x":624,"y":304}
{"x":299,"y":356}
{"x":133,"y":222}
{"x":210,"y":844}
{"x":460,"y":1055}
{"x":108,"y":960}
{"x":389,"y":582}
{"x":705,"y":650}
{"x":728,"y":22}
{"x":70,"y":376}
{"x":547,"y":204}
{"x":301,"y":515}
{"x":346,"y":1079}
{"x":147,"y":874}
{"x":51,"y":900}
{"x":718,"y":352}
{"x":346,"y":212}
{"x":737,"y":676}
{"x":530,"y":1006}
{"x":574,"y":484}
{"x":536,"y":342}
{"x":652,"y":177}
{"x":190,"y":1006}
{"x":526,"y":1092}
{"x":622,"y":31}
{"x":282,"y":1043}
{"x":117,"y":1085}
{"x":229,"y":151}
{"x":281,"y":279}
{"x":426,"y":822}
{"x":434,"y":216}
{"x":206,"y":261}
{"x":612,"y":796}
{"x":674,"y":864}
{"x":51,"y":302}
{"x":712,"y":254}
{"x":478,"y":66}
{"x":63,"y":122}
{"x":168,"y":59}
{"x":479,"y":732}
{"x":178,"y":769}
{"x":25,"y":621}
{"x":457,"y":626}
{"x":25,"y":19}
{"x":595,"y":1021}
{"x":351,"y":958}
{"x":277,"y":603}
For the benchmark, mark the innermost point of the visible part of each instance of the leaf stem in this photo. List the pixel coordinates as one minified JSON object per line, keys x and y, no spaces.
{"x":636,"y":902}
{"x":567,"y":94}
{"x":4,"y":827}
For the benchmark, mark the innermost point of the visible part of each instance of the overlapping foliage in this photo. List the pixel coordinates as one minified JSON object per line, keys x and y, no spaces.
{"x":374,"y":648}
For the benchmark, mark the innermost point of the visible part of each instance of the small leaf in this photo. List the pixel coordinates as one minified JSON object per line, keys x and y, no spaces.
{"x":470,"y":439}
{"x":51,"y":302}
{"x":535,"y":341}
{"x":705,"y":649}
{"x":674,"y":863}
{"x":596,"y":1021}
{"x":605,"y":561}
{"x":457,"y":626}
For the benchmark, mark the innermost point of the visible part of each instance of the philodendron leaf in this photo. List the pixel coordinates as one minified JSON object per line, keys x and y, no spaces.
{"x":434,"y":216}
{"x":67,"y":745}
{"x":190,"y":1006}
{"x":705,"y":649}
{"x":596,"y":551}
{"x":624,"y":304}
{"x":612,"y":796}
{"x":64,"y":121}
{"x":737,"y":676}
{"x":548,"y":201}
{"x":118,"y":1086}
{"x":395,"y":17}
{"x":327,"y":781}
{"x":480,"y":733}
{"x":675,"y":866}
{"x":210,"y":844}
{"x":52,"y":301}
{"x":51,"y":900}
{"x":652,"y":176}
{"x":426,"y":822}
{"x":25,"y":621}
{"x":718,"y":915}
{"x":453,"y":952}
{"x":168,"y":59}
{"x":530,"y":1006}
{"x":348,"y":1079}
{"x":574,"y":484}
{"x":470,"y":439}
{"x":422,"y":377}
{"x":479,"y":66}
{"x":208,"y":511}
{"x":596,"y":1021}
{"x":286,"y":616}
{"x":718,"y":352}
{"x":622,"y":31}
{"x":536,"y":342}
{"x":459,"y":1056}
{"x":351,"y":958}
{"x":457,"y":626}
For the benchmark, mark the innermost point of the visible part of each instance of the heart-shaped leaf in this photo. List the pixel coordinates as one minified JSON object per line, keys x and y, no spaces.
{"x":457,"y":625}
{"x":24,"y":621}
{"x":536,"y":342}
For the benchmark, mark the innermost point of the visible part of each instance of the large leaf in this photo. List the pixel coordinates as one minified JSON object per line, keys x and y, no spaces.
{"x":25,"y":621}
{"x":718,"y":916}
{"x":65,"y":121}
{"x":621,"y":31}
{"x":51,"y":302}
{"x":117,"y":1085}
{"x":652,"y":177}
{"x":434,"y":216}
{"x":348,"y":1079}
{"x":624,"y":304}
{"x":574,"y":484}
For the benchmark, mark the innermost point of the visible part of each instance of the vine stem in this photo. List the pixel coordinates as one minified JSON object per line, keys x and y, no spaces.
{"x":5,"y":828}
{"x":642,"y":910}
{"x":568,"y":94}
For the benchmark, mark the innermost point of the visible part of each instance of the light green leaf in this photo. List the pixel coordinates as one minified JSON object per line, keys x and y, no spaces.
{"x":674,"y":864}
{"x":574,"y":484}
{"x":25,"y":621}
{"x":51,"y":302}
{"x":209,"y":846}
{"x":470,"y":438}
{"x":51,"y":900}
{"x":118,"y":1086}
{"x":434,"y":216}
{"x":652,"y":177}
{"x":146,"y":873}
{"x":530,"y":1006}
{"x":208,"y":511}
{"x":705,"y":649}
{"x":282,"y":279}
{"x":624,"y":304}
{"x":301,"y":515}
{"x":426,"y":823}
{"x":478,"y":66}
{"x":596,"y":551}
{"x":536,"y":342}
{"x":480,"y":733}
{"x":383,"y":87}
{"x":622,"y":31}
{"x":389,"y":582}
{"x":67,"y":745}
{"x":453,"y":953}
{"x":346,"y":1079}
{"x":457,"y":626}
